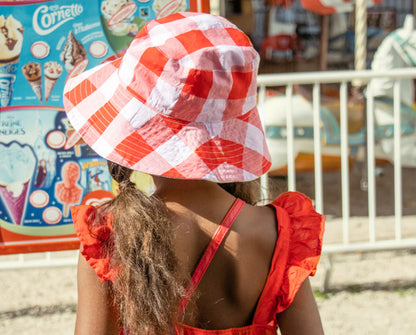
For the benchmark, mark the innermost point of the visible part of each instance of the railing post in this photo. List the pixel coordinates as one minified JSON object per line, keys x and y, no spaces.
{"x":345,"y":166}
{"x":371,"y":165}
{"x":290,"y":139}
{"x":397,"y":161}
{"x":316,"y":104}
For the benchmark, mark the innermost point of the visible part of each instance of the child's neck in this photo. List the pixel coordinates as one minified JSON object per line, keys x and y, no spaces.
{"x":189,"y":191}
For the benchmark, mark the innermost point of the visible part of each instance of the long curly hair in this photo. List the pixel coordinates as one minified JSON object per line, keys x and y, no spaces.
{"x":149,"y":284}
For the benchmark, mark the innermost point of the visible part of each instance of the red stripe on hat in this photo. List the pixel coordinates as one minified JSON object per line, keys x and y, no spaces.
{"x":198,"y":83}
{"x":194,"y":40}
{"x":240,"y":85}
{"x":154,"y":59}
{"x":212,"y":156}
{"x":133,"y":148}
{"x":173,"y":173}
{"x":103,"y":117}
{"x":238,"y":38}
{"x":86,"y":88}
{"x":175,"y":125}
{"x":170,"y":18}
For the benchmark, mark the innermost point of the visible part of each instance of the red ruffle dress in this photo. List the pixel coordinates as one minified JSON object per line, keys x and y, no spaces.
{"x":296,"y":255}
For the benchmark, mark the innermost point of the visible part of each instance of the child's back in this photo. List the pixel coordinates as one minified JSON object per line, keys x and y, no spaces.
{"x":228,"y":293}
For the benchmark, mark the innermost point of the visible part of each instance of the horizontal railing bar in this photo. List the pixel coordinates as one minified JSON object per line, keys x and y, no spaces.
{"x":325,"y":77}
{"x":370,"y":246}
{"x":38,"y":263}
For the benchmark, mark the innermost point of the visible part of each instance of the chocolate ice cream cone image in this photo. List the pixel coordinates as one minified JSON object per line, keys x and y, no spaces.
{"x":33,"y":74}
{"x":52,"y":71}
{"x":73,"y":52}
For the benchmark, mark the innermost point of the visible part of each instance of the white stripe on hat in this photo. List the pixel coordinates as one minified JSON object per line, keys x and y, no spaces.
{"x":256,"y":137}
{"x":137,"y":113}
{"x":102,"y":146}
{"x":159,"y":34}
{"x":109,"y":87}
{"x":174,"y":151}
{"x":163,"y":97}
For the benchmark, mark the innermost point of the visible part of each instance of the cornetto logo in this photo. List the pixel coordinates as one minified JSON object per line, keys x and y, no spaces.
{"x":46,"y":19}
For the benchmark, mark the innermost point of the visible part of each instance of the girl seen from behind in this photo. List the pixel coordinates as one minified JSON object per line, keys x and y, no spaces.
{"x":198,"y":256}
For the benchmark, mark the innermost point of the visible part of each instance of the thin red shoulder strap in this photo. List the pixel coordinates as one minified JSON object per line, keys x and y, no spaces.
{"x":210,"y":251}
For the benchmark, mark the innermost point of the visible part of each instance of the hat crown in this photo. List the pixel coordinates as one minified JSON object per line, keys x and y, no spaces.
{"x":176,"y":60}
{"x":180,"y":103}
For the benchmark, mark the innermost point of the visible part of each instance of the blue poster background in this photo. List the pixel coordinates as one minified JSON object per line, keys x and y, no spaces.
{"x":45,"y":167}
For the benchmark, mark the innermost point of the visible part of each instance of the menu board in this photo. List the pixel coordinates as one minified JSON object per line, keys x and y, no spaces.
{"x":45,"y":166}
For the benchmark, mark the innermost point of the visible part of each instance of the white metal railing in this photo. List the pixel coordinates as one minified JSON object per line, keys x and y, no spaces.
{"x":343,"y":78}
{"x":39,"y":260}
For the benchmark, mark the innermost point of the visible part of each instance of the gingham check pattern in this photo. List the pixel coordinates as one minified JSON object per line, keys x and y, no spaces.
{"x":180,"y":103}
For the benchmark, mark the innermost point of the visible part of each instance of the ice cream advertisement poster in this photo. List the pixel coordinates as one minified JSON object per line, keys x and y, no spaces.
{"x":45,"y":167}
{"x":42,"y":43}
{"x":45,"y":170}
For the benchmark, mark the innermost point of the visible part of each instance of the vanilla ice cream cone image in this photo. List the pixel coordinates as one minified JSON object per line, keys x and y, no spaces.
{"x":16,"y":171}
{"x":11,"y":40}
{"x":33,"y":74}
{"x":52,"y":71}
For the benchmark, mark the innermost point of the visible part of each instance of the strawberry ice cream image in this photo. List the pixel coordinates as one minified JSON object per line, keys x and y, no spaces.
{"x":68,"y":192}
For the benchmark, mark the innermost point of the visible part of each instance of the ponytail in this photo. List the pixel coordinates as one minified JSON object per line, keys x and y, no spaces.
{"x":148,"y":286}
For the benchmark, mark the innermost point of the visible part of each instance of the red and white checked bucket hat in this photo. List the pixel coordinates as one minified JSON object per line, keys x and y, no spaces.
{"x":180,"y":103}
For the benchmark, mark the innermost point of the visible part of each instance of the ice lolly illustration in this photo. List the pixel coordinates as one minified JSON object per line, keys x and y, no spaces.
{"x":52,"y":71}
{"x":74,"y":140}
{"x":16,"y":171}
{"x":68,"y":192}
{"x":33,"y":74}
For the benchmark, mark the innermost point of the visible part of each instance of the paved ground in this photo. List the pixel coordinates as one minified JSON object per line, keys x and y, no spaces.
{"x":369,"y":293}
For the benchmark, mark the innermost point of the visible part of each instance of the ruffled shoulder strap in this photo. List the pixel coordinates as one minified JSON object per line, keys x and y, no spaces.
{"x":306,"y":230}
{"x":297,"y":252}
{"x":92,"y":238}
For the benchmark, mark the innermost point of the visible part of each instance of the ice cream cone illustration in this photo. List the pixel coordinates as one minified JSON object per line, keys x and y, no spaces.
{"x":16,"y":171}
{"x":68,"y":192}
{"x":52,"y":71}
{"x":14,"y":197}
{"x":11,"y":40}
{"x":73,"y":52}
{"x":33,"y":74}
